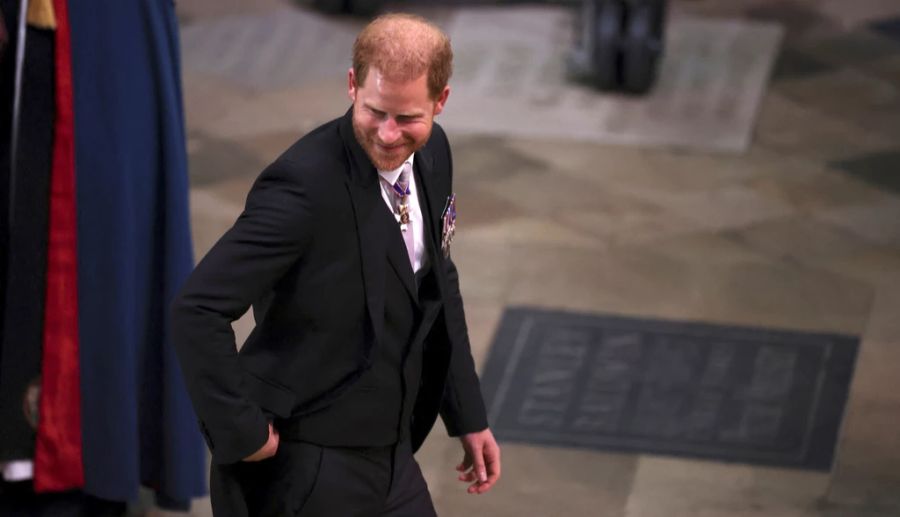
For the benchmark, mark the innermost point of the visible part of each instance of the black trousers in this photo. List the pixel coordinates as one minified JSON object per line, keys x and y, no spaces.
{"x":308,"y":480}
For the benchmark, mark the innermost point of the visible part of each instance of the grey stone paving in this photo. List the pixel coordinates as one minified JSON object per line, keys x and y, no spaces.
{"x":272,"y":50}
{"x":510,"y":80}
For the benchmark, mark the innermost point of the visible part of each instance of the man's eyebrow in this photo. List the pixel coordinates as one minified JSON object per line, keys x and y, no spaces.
{"x":373,"y":108}
{"x":414,"y":114}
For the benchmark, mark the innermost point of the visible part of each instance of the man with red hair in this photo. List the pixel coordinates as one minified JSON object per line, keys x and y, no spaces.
{"x":343,"y":251}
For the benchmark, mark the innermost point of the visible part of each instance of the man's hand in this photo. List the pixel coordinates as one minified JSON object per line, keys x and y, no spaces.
{"x":269,"y":449}
{"x":481,"y":464}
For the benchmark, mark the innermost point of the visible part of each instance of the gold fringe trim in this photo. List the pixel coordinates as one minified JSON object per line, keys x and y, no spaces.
{"x":41,"y":14}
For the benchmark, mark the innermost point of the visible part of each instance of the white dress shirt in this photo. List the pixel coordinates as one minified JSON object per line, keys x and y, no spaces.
{"x":415,"y":213}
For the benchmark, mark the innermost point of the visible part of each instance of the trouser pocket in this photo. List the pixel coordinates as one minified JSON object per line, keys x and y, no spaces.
{"x":279,"y":486}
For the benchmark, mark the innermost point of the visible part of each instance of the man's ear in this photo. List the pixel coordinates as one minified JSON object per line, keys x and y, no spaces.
{"x":441,"y":100}
{"x":351,"y":84}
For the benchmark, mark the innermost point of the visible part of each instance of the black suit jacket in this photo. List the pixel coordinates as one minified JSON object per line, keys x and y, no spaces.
{"x":309,"y":255}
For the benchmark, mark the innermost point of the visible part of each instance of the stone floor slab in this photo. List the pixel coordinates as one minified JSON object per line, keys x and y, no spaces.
{"x":213,"y":161}
{"x":877,"y":169}
{"x":546,"y":481}
{"x":798,"y":18}
{"x":866,"y":471}
{"x":298,"y":111}
{"x":797,"y":239}
{"x":211,"y":216}
{"x":485,"y":272}
{"x":624,"y":222}
{"x":867,"y":101}
{"x":717,"y":249}
{"x":792,"y":64}
{"x":525,"y":231}
{"x":878,"y":222}
{"x":791,"y":127}
{"x":818,"y":192}
{"x":510,"y":79}
{"x":849,"y":48}
{"x":887,"y":69}
{"x":190,"y":11}
{"x":208,"y":99}
{"x":481,"y":158}
{"x":720,"y":209}
{"x":860,"y":11}
{"x":272,"y":50}
{"x":647,"y":281}
{"x":871,"y":265}
{"x":674,"y":488}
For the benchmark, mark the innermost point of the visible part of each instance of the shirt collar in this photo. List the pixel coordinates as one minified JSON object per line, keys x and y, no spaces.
{"x":392,"y":176}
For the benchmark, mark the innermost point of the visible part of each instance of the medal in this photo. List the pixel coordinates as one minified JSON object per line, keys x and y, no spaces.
{"x":404,"y":215}
{"x":449,"y":225}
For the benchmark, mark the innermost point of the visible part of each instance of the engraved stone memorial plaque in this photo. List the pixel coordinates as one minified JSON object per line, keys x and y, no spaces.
{"x":650,"y":386}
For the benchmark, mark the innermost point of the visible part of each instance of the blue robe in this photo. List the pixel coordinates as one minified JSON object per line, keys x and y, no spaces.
{"x":134,"y":250}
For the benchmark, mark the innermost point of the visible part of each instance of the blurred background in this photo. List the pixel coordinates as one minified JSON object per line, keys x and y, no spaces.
{"x":681,"y":272}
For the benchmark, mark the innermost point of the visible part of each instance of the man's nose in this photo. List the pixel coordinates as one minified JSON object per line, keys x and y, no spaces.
{"x":388,"y":132}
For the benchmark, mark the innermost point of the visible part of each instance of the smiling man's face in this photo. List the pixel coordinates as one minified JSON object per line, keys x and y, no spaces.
{"x":392,"y":119}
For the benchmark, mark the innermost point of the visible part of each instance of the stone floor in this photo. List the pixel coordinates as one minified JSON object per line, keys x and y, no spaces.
{"x":799,"y":231}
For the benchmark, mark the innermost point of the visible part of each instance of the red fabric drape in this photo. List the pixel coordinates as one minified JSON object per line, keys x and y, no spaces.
{"x":57,"y":459}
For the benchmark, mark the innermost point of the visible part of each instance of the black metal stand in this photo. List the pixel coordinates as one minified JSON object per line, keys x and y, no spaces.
{"x":620,"y":43}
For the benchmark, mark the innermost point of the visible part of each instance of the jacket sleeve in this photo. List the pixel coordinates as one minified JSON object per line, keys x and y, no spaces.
{"x":265,"y":241}
{"x":462,"y":407}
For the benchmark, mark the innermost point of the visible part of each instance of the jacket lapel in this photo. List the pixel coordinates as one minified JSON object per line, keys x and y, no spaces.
{"x":431,"y":206}
{"x":423,"y":170}
{"x":368,"y":210}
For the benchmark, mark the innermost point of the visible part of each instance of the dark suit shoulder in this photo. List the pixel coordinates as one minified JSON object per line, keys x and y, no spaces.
{"x":316,"y":157}
{"x":438,"y":140}
{"x":439,"y":148}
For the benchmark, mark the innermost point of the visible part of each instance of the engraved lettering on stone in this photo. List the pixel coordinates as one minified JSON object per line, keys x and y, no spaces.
{"x":773,"y":373}
{"x":549,"y":392}
{"x":605,"y":395}
{"x":758,"y":423}
{"x":544,"y":414}
{"x":601,"y":411}
{"x":718,"y":365}
{"x":657,"y":411}
{"x":703,"y":417}
{"x":676,"y":391}
{"x":672,"y":362}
